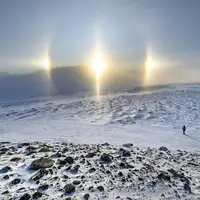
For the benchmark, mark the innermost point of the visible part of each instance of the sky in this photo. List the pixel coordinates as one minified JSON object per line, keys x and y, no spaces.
{"x":128,"y":31}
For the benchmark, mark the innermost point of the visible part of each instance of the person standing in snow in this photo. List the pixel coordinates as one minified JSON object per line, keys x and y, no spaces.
{"x":184,"y":129}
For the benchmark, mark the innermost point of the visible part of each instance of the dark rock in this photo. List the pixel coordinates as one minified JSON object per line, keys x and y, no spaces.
{"x":26,"y":196}
{"x":69,"y":160}
{"x":43,"y":187}
{"x":31,"y":148}
{"x":125,"y":165}
{"x":90,"y":155}
{"x":25,"y":144}
{"x":37,"y":195}
{"x":62,"y":162}
{"x":90,"y":188}
{"x":164,"y":176}
{"x":187,"y":188}
{"x":91,"y":170}
{"x":44,"y":149}
{"x":163,"y":148}
{"x":124,"y":152}
{"x":76,"y":182}
{"x":5,"y":169}
{"x":106,"y":158}
{"x":15,"y":159}
{"x":39,"y":174}
{"x":6,"y":177}
{"x":65,"y":150}
{"x":6,"y":192}
{"x":139,"y":158}
{"x":16,"y":181}
{"x":120,"y":174}
{"x":69,"y":188}
{"x":86,"y":196}
{"x":128,"y":145}
{"x":100,"y":188}
{"x":140,"y":179}
{"x":41,"y":163}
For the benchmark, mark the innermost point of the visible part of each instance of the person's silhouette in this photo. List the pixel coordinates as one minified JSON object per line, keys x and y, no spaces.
{"x":184,"y":129}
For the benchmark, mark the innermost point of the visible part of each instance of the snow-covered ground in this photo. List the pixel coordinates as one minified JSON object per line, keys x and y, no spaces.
{"x":81,"y":127}
{"x":149,"y":119}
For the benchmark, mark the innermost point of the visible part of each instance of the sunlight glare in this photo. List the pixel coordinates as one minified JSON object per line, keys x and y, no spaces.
{"x":98,"y":64}
{"x":46,"y":63}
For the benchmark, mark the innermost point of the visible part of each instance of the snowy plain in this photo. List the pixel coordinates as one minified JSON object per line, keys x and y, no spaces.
{"x":146,"y":119}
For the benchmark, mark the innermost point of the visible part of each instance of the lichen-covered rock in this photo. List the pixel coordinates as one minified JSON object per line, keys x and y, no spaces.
{"x":41,"y":163}
{"x":69,"y":188}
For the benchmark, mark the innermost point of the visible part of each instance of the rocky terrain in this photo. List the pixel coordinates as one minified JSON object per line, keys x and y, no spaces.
{"x":57,"y":170}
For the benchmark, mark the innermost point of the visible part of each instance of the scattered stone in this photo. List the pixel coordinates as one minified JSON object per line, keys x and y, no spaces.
{"x":16,"y":181}
{"x":86,"y":196}
{"x":26,"y":196}
{"x":37,"y":195}
{"x":39,"y":174}
{"x":90,"y":155}
{"x":187,"y":188}
{"x":69,"y":188}
{"x":106,"y":158}
{"x":76,"y":182}
{"x":163,"y":148}
{"x":91,"y":170}
{"x":5,"y":169}
{"x":6,"y":177}
{"x":128,"y":145}
{"x":100,"y":188}
{"x":124,"y":152}
{"x":44,"y":149}
{"x":41,"y":163}
{"x":69,"y":160}
{"x":120,"y":174}
{"x":15,"y":159}
{"x":6,"y":192}
{"x":43,"y":187}
{"x":164,"y":176}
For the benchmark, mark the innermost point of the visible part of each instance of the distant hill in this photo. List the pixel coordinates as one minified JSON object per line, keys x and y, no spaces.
{"x":63,"y":80}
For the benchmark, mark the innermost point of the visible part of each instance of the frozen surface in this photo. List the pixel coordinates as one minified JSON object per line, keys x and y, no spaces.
{"x":145,"y":119}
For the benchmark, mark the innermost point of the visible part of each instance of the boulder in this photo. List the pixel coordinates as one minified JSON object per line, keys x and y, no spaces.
{"x":26,"y":196}
{"x":106,"y":158}
{"x":5,"y":169}
{"x":163,"y":148}
{"x":69,"y":188}
{"x":41,"y":163}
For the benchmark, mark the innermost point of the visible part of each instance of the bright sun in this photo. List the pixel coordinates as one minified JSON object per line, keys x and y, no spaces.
{"x":46,"y":63}
{"x":98,"y":64}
